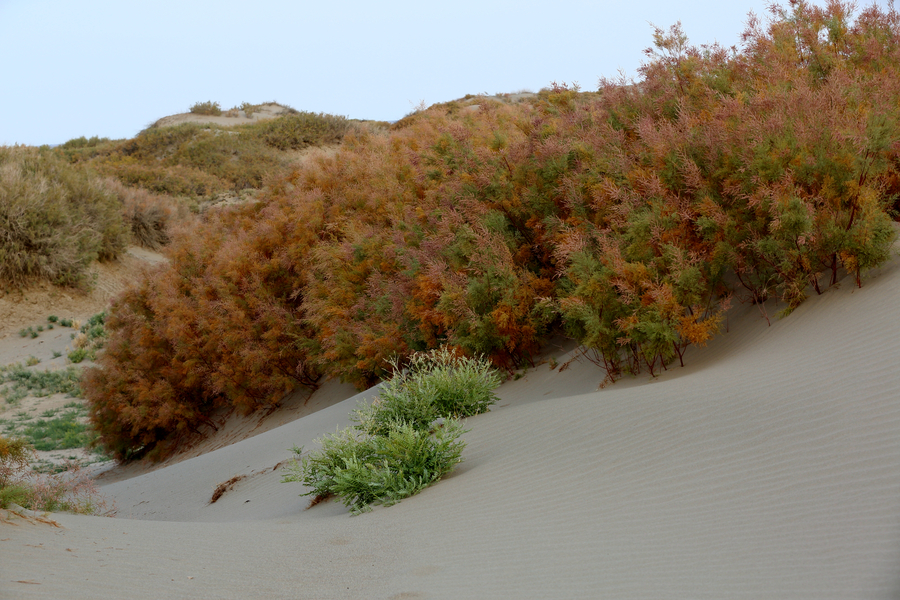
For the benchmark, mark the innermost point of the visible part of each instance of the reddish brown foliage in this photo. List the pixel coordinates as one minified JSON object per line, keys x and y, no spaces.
{"x":629,"y":218}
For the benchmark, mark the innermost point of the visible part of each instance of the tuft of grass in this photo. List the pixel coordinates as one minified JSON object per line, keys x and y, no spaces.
{"x":404,"y":441}
{"x":78,"y":355}
{"x":31,"y":361}
{"x":365,"y":470}
{"x":434,"y":384}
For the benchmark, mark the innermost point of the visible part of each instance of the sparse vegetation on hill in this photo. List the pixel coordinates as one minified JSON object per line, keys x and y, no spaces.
{"x":55,"y":219}
{"x":199,"y":160}
{"x":629,"y":219}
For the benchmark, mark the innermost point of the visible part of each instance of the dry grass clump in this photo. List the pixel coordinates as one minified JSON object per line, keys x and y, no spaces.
{"x":55,"y":219}
{"x":150,"y":216}
{"x":72,"y":490}
{"x":213,"y":109}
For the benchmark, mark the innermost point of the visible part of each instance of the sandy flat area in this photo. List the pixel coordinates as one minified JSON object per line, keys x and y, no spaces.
{"x":768,"y":467}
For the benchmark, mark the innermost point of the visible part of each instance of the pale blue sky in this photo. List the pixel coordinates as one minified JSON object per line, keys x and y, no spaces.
{"x":110,"y":68}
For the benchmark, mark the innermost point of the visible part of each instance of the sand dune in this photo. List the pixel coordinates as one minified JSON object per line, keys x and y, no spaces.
{"x":769,"y":467}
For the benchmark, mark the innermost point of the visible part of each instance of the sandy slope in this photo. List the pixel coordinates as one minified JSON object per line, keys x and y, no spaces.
{"x":769,"y":467}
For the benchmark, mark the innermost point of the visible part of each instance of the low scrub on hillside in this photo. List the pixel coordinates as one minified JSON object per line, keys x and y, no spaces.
{"x":201,"y":160}
{"x":55,"y":219}
{"x":151,"y":217}
{"x":209,"y":107}
{"x":629,"y":219}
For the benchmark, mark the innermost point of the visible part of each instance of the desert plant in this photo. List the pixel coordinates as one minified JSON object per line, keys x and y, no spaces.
{"x":16,"y":381}
{"x":364,"y":470}
{"x":73,"y":490}
{"x":56,"y":217}
{"x":58,"y":433}
{"x":300,"y":130}
{"x":209,"y":107}
{"x":150,"y":216}
{"x":430,"y":385}
{"x":406,"y":439}
{"x":627,"y":218}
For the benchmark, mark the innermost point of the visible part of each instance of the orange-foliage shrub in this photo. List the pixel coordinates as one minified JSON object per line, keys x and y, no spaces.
{"x":629,"y":219}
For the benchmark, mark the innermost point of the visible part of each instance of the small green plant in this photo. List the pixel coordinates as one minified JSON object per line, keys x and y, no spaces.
{"x":210,"y":108}
{"x":364,"y":470}
{"x":31,"y":361}
{"x":434,"y":384}
{"x":57,"y":354}
{"x":77,"y":355}
{"x":404,"y":441}
{"x":52,"y":318}
{"x":65,"y":322}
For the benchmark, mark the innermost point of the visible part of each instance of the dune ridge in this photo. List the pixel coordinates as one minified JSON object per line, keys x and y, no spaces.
{"x":769,"y":466}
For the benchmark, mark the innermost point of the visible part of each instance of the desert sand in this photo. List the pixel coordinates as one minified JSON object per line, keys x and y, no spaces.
{"x":768,"y":467}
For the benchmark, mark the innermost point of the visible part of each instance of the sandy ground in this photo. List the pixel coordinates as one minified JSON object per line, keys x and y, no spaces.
{"x":768,"y":467}
{"x":30,"y":308}
{"x":266,"y":111}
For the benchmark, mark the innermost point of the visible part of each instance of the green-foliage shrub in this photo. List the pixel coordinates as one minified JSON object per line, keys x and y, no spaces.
{"x":407,"y":439}
{"x":56,"y":219}
{"x":365,"y":470}
{"x":433,"y":384}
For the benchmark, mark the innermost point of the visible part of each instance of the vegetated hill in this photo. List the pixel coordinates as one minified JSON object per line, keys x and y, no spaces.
{"x":198,"y":160}
{"x":629,"y":219}
{"x":64,"y":207}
